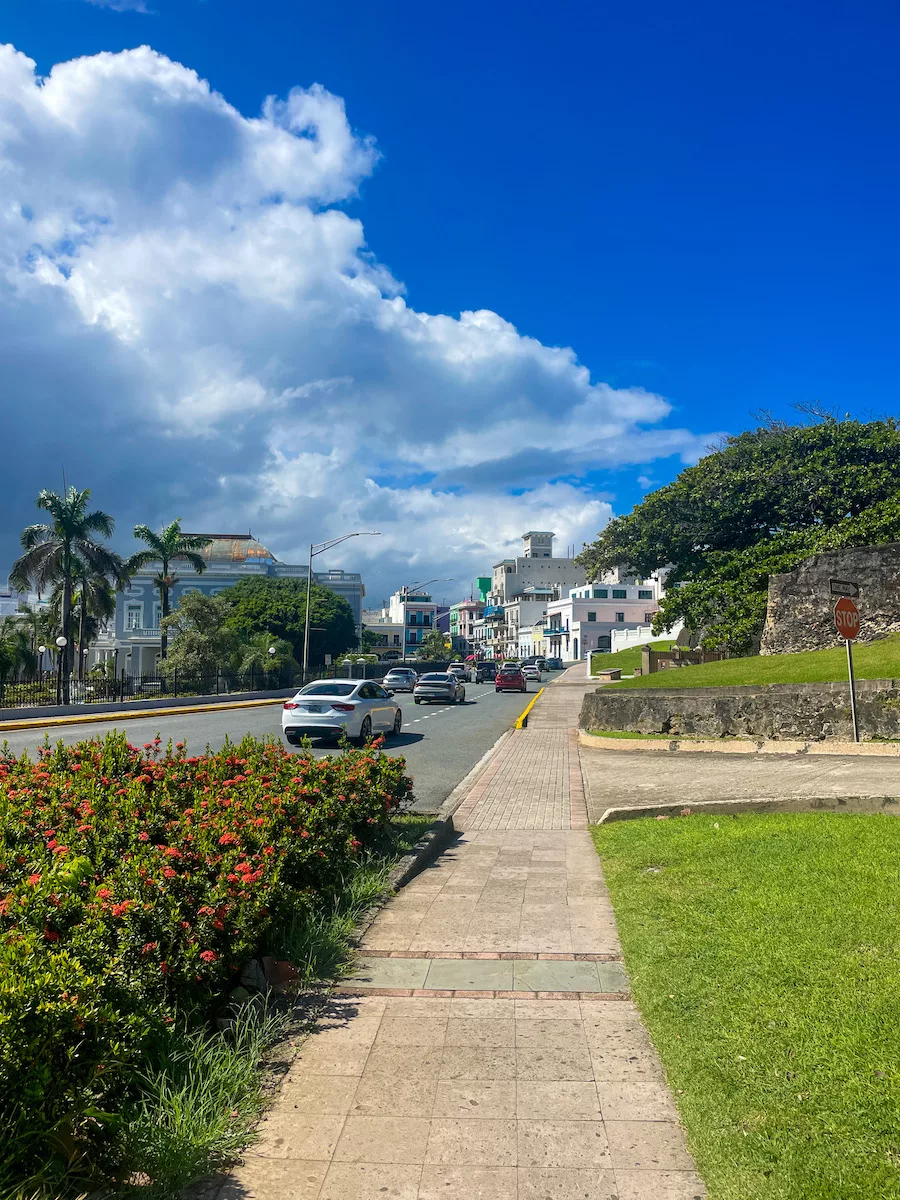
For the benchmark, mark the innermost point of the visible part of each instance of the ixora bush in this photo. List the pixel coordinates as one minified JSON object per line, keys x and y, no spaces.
{"x":134,"y":885}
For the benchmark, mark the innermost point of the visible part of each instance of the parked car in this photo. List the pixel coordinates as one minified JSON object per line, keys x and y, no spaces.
{"x":485,"y":670}
{"x":554,"y":664}
{"x":400,"y":679}
{"x":510,"y":679}
{"x":442,"y":687}
{"x":327,"y":708}
{"x":532,"y":671}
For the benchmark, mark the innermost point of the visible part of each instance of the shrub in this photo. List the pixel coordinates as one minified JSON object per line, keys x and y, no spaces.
{"x":134,"y":883}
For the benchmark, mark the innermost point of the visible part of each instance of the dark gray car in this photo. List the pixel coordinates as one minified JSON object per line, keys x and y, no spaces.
{"x":439,"y":687}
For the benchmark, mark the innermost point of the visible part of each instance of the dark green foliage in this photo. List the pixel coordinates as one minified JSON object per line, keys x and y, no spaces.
{"x":765,"y":501}
{"x":279,"y":607}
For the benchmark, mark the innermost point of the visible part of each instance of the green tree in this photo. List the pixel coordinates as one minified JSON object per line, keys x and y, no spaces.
{"x":278,"y":606}
{"x":433,"y":647}
{"x":166,"y":547}
{"x":16,"y":654}
{"x":369,"y":641}
{"x":758,"y":505}
{"x":203,"y":642}
{"x":93,"y":602}
{"x":54,"y":551}
{"x":255,"y":654}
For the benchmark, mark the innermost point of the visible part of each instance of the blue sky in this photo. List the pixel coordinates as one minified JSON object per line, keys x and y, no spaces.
{"x":701,"y":203}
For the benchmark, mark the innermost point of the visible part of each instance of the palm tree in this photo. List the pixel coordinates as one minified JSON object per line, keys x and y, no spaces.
{"x":255,"y":654}
{"x":93,"y":603}
{"x":51,"y":552}
{"x":16,"y":655}
{"x":168,"y":546}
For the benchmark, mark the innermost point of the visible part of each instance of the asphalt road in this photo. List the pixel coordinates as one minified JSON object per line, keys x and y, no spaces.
{"x":441,"y":743}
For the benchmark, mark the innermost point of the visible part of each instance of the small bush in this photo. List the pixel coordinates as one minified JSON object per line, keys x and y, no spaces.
{"x":134,"y":883}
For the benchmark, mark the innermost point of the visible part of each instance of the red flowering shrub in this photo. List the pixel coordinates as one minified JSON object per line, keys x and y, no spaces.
{"x":133,"y":883}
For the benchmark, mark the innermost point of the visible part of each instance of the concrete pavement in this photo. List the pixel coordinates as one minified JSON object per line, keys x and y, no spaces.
{"x":486,"y":1047}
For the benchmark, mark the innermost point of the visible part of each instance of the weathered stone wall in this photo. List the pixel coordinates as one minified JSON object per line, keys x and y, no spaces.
{"x":799,"y":612}
{"x":801,"y":712}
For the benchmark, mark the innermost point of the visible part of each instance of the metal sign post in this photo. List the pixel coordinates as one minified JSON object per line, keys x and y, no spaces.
{"x":846,"y":621}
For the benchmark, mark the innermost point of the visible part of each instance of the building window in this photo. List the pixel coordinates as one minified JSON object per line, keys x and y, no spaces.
{"x":157,"y":615}
{"x":396,"y":639}
{"x":601,"y":594}
{"x":133,"y":616}
{"x":592,"y":616}
{"x":645,"y":595}
{"x":619,"y":594}
{"x":620,"y":617}
{"x":648,"y":618}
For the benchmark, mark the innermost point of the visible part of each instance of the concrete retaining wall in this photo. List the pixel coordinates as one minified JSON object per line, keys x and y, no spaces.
{"x":795,"y":712}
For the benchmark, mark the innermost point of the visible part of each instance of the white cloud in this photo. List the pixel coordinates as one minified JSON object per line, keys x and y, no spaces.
{"x":188,"y":321}
{"x":138,"y":6}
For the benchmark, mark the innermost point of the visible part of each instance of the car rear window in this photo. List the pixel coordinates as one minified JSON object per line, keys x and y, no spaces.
{"x":434,"y":678}
{"x":327,"y":688}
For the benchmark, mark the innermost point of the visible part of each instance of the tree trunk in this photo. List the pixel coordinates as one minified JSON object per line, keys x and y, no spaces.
{"x":82,"y":632}
{"x":66,"y":655}
{"x":164,"y":609}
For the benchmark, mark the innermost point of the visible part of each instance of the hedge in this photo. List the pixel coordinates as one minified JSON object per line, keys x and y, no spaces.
{"x":134,"y":885}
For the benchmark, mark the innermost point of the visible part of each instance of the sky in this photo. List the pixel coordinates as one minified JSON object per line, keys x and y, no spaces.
{"x":447,"y":272}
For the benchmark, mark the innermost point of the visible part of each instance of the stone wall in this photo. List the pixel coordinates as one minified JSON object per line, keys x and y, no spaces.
{"x":801,"y":712}
{"x":799,"y":612}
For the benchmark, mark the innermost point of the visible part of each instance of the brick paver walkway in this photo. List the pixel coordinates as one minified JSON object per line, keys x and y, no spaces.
{"x":486,"y":1047}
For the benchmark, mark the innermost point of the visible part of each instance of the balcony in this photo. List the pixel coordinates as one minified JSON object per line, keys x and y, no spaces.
{"x":141,"y":634}
{"x":494,"y":612}
{"x":555,"y":632}
{"x":410,"y":624}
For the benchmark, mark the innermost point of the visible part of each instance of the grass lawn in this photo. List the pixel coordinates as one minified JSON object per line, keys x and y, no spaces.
{"x":763,"y":956}
{"x":872,"y":660}
{"x":626,"y":659}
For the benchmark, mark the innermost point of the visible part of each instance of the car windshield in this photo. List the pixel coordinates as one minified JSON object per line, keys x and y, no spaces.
{"x":327,"y":687}
{"x":433,"y":678}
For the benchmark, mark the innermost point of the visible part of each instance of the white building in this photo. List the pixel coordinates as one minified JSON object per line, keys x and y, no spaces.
{"x":591,"y":614}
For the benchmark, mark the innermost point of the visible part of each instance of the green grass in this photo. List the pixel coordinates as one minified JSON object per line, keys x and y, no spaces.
{"x":763,"y":956}
{"x":872,"y":660}
{"x":626,"y":659}
{"x":627,"y":733}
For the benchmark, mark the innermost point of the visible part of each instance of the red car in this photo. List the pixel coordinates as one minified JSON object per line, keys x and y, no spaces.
{"x":510,"y":680}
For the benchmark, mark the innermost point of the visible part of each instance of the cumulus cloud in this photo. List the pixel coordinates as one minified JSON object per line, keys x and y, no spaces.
{"x":192,"y":323}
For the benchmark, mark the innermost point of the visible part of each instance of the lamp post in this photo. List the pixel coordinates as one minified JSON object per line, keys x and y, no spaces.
{"x":404,"y":591}
{"x":61,"y":643}
{"x":271,"y":657}
{"x":42,"y":650}
{"x":320,"y":548}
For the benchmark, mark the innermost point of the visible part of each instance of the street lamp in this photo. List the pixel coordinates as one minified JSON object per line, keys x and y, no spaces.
{"x":42,"y":650}
{"x":61,"y":643}
{"x":405,"y":591}
{"x":320,"y":548}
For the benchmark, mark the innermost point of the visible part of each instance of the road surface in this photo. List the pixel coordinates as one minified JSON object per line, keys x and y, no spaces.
{"x":441,"y":743}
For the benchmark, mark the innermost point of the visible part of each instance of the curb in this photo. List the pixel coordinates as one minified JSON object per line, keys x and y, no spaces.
{"x":863,"y":805}
{"x":522,"y":719}
{"x":118,"y":715}
{"x":592,"y":741}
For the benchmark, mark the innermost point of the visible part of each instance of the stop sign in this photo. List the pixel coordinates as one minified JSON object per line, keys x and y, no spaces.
{"x":846,"y":618}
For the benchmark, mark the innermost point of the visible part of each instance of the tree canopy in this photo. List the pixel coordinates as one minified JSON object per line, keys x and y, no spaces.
{"x":202,"y":640}
{"x":433,"y":647}
{"x":758,"y":505}
{"x":278,"y":606}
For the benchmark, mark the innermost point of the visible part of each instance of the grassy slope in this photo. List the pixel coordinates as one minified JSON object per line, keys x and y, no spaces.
{"x":626,"y":659}
{"x":873,"y":660}
{"x":763,"y":956}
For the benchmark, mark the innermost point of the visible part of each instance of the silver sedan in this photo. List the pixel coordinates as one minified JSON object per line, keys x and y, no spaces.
{"x":439,"y":687}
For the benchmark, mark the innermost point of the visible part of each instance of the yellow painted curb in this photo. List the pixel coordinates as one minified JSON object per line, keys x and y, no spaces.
{"x":523,"y":718}
{"x":119,"y":715}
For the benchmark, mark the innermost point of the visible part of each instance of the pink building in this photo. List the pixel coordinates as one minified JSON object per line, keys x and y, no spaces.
{"x":586,"y":618}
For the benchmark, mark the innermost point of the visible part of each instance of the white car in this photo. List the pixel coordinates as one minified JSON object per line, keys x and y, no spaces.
{"x":327,"y":708}
{"x":532,"y":672}
{"x":459,"y":669}
{"x":400,"y":679}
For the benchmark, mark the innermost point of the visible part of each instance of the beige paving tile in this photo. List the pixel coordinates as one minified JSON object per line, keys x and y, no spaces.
{"x":479,"y":1062}
{"x":482,"y":1009}
{"x":641,"y":1101}
{"x":319,"y":1095}
{"x":563,"y":1144}
{"x":659,"y":1185}
{"x":394,"y":1095}
{"x":624,"y":1066}
{"x":468,"y":1183}
{"x":557,"y":1100}
{"x":274,"y":1179}
{"x":548,"y":1010}
{"x":322,"y":1059}
{"x":383,"y":1140}
{"x":469,"y":1142}
{"x":414,"y":1006}
{"x":570,"y":1063}
{"x":403,"y":1060}
{"x":365,"y":1181}
{"x":541,"y":1033}
{"x":490,"y":1032}
{"x":648,"y":1146}
{"x":287,"y":1133}
{"x":560,"y":1183}
{"x":482,"y":1098}
{"x":412,"y":1031}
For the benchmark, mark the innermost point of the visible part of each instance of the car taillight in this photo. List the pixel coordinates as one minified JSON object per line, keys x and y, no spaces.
{"x":342,"y":707}
{"x":289,"y":705}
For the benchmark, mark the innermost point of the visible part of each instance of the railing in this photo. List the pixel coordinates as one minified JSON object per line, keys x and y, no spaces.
{"x":138,"y":631}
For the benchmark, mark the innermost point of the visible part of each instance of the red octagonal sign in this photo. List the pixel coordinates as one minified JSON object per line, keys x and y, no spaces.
{"x":846,"y":618}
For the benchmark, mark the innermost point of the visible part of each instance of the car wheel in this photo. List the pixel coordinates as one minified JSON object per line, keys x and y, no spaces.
{"x":417,"y":701}
{"x":398,"y":722}
{"x":365,"y":731}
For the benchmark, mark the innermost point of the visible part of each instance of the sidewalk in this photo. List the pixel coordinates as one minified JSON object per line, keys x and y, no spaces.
{"x":486,"y":1047}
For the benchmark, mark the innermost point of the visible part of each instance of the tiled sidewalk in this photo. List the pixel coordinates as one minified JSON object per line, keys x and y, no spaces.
{"x":486,"y":1047}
